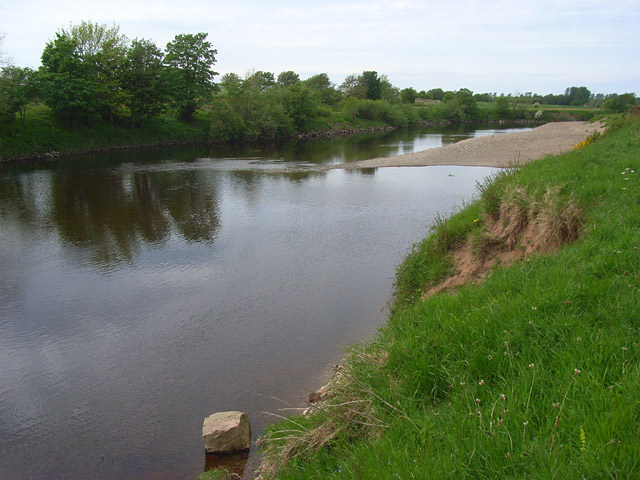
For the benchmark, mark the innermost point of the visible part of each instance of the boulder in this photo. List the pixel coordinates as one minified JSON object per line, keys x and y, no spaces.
{"x":226,"y":432}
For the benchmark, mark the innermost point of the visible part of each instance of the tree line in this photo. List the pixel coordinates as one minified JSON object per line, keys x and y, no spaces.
{"x":92,"y":73}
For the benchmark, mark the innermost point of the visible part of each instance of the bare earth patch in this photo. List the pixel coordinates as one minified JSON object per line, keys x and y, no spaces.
{"x":522,"y":226}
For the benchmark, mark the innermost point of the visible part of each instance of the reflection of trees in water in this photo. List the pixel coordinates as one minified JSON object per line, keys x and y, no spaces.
{"x":24,"y":198}
{"x":111,"y":214}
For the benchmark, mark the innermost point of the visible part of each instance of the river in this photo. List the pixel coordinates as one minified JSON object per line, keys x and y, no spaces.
{"x":141,"y":291}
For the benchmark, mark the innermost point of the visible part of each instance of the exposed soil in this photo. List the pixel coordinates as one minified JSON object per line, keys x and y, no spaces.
{"x":512,"y":235}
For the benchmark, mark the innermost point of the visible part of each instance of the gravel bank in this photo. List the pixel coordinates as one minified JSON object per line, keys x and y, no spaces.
{"x":501,"y":150}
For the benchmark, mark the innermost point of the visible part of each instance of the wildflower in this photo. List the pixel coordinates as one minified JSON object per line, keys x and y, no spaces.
{"x":579,"y":339}
{"x":478,"y":400}
{"x":490,"y":357}
{"x":503,"y":397}
{"x":532,"y":366}
{"x":506,"y":344}
{"x":525,"y":423}
{"x":576,"y":372}
{"x":481,"y":382}
{"x":534,"y":308}
{"x":437,"y":414}
{"x":624,"y":349}
{"x":475,"y":220}
{"x":530,"y":322}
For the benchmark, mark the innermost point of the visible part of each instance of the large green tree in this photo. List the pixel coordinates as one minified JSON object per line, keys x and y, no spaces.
{"x":80,"y":72}
{"x":190,"y":58}
{"x":144,"y":80}
{"x":66,"y":83}
{"x":103,"y":49}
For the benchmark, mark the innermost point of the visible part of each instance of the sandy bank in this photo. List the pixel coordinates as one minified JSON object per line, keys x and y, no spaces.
{"x":500,"y":150}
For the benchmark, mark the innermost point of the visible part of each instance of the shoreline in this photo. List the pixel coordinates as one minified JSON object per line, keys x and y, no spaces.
{"x":52,"y":155}
{"x":498,"y":150}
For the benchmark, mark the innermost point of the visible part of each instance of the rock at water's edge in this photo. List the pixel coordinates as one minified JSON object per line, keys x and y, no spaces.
{"x":225,"y":432}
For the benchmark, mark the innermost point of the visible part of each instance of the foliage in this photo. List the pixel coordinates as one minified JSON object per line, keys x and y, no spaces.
{"x":144,"y":80}
{"x":372,"y":85}
{"x":288,"y":78}
{"x":67,"y":82}
{"x":260,"y":81}
{"x":17,"y":89}
{"x":190,"y":58}
{"x":620,"y":103}
{"x":408,"y":95}
{"x":321,"y":84}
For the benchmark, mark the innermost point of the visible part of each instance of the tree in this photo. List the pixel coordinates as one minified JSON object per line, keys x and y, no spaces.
{"x":288,"y":78}
{"x":372,"y":84}
{"x":408,"y":95}
{"x":16,"y":91}
{"x":435,"y":94}
{"x":103,"y":49}
{"x":190,"y":59}
{"x":230,"y":80}
{"x":80,"y":72}
{"x":620,"y":103}
{"x":260,"y":81}
{"x":577,"y":96}
{"x":465,"y":98}
{"x":387,"y":91}
{"x":351,"y":87}
{"x":503,"y":108}
{"x":66,"y":84}
{"x":144,"y":80}
{"x":321,"y":84}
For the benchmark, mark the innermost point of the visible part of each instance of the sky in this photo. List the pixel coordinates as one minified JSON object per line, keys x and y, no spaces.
{"x":487,"y":46}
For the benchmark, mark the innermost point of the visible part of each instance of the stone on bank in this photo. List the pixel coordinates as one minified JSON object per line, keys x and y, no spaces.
{"x":226,"y":432}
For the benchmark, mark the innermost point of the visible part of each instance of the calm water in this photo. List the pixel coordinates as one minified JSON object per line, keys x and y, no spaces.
{"x":141,"y":292}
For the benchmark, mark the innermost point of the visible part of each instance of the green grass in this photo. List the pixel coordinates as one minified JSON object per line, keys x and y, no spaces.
{"x":41,"y":134}
{"x":534,"y":373}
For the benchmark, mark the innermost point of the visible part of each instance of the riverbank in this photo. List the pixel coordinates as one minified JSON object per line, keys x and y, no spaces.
{"x":530,"y":369}
{"x":495,"y":150}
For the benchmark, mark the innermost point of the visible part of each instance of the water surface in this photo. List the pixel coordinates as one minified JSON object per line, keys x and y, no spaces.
{"x":142,"y":291}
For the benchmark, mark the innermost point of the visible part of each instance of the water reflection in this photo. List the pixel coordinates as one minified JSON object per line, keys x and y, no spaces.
{"x":137,"y":296}
{"x":233,"y":463}
{"x":110,"y":212}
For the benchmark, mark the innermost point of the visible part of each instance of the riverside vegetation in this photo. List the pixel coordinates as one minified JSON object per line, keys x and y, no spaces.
{"x":531,"y":372}
{"x":96,"y":89}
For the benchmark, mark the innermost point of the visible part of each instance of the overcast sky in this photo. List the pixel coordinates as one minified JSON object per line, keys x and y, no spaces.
{"x":488,"y":46}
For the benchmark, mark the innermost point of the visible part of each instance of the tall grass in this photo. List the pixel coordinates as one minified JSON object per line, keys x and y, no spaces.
{"x":534,"y":373}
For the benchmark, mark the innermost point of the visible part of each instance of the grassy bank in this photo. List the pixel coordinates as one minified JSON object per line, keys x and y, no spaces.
{"x":41,"y":133}
{"x":531,"y":373}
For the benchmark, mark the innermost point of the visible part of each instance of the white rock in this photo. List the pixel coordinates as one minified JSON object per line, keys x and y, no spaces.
{"x":226,"y":432}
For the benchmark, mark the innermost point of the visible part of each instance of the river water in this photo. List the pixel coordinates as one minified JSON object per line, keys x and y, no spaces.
{"x":142,"y":291}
